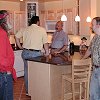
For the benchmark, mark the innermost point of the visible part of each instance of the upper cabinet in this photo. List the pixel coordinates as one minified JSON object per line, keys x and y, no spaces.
{"x":55,"y":15}
{"x":31,"y":10}
{"x":17,"y":20}
{"x":10,"y":19}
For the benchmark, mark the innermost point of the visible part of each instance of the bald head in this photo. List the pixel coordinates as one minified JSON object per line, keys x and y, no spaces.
{"x":59,"y":26}
{"x":96,"y":25}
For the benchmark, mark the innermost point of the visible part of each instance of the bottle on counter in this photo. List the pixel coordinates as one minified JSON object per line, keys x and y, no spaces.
{"x":71,"y":48}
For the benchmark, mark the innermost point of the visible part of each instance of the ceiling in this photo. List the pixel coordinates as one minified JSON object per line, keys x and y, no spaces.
{"x":48,"y":0}
{"x":32,"y":0}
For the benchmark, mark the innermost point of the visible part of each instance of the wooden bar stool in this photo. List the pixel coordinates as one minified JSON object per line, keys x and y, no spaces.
{"x":75,"y":86}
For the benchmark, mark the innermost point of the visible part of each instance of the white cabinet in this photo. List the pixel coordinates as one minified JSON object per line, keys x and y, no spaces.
{"x":44,"y":80}
{"x":18,"y":63}
{"x":17,"y":19}
{"x":51,"y":16}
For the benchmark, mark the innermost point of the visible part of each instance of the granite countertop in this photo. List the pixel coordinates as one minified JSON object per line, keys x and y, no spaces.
{"x":60,"y":59}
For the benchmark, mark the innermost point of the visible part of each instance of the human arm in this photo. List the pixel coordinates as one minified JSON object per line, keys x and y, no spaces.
{"x":46,"y":48}
{"x":88,"y":51}
{"x":45,"y":42}
{"x":87,"y":54}
{"x":18,"y":42}
{"x":19,"y":35}
{"x":61,"y":50}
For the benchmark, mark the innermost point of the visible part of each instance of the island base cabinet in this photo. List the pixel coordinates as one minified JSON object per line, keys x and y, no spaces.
{"x":45,"y":80}
{"x":39,"y":81}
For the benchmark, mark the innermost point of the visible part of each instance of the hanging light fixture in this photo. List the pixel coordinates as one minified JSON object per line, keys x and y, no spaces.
{"x":63,"y":17}
{"x":88,"y":19}
{"x":77,"y":18}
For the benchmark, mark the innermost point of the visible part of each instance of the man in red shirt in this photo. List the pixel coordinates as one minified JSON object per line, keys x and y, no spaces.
{"x":7,"y":72}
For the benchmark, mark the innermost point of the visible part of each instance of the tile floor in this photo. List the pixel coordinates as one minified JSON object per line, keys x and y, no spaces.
{"x":19,"y":90}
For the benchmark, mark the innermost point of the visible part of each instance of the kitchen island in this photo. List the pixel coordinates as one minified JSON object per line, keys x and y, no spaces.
{"x":45,"y":76}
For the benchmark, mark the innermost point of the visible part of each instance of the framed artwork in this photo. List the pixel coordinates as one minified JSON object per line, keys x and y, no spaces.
{"x":32,"y":10}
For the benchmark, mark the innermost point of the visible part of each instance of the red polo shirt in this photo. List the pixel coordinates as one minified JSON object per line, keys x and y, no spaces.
{"x":6,"y":54}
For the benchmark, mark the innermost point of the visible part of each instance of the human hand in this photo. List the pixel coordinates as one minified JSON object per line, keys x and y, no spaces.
{"x":46,"y":54}
{"x":55,"y":53}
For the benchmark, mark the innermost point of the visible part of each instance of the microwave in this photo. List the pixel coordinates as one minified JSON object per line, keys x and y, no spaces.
{"x":50,"y":25}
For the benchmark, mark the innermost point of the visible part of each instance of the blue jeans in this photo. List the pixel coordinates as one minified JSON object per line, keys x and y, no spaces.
{"x":27,"y":54}
{"x":95,"y":85}
{"x":6,"y":87}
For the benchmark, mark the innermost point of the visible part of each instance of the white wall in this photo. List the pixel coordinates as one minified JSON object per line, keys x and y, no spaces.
{"x":7,"y":5}
{"x":98,"y":8}
{"x":85,"y":11}
{"x":93,"y":8}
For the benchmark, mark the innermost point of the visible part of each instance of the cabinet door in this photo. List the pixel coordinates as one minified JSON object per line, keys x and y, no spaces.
{"x":10,"y":19}
{"x":70,"y":26}
{"x":19,"y":20}
{"x":18,"y":63}
{"x":32,"y":10}
{"x":51,"y":15}
{"x":59,"y":14}
{"x":42,"y":18}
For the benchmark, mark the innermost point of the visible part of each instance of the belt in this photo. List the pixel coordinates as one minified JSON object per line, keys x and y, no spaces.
{"x":32,"y":50}
{"x":55,"y":48}
{"x":8,"y":73}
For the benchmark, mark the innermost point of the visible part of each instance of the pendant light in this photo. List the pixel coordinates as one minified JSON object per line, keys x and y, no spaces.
{"x":63,"y":17}
{"x":77,"y":18}
{"x":88,"y":19}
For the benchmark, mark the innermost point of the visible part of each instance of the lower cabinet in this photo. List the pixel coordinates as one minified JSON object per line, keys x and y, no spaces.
{"x":18,"y":63}
{"x":44,"y":80}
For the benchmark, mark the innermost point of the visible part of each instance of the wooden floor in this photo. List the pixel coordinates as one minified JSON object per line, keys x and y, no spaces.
{"x":19,"y":90}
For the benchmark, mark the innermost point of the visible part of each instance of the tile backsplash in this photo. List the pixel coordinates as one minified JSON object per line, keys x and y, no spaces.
{"x":75,"y":38}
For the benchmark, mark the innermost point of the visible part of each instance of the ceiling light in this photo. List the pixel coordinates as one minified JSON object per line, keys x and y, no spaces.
{"x":88,"y":19}
{"x":77,"y":18}
{"x":63,"y":17}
